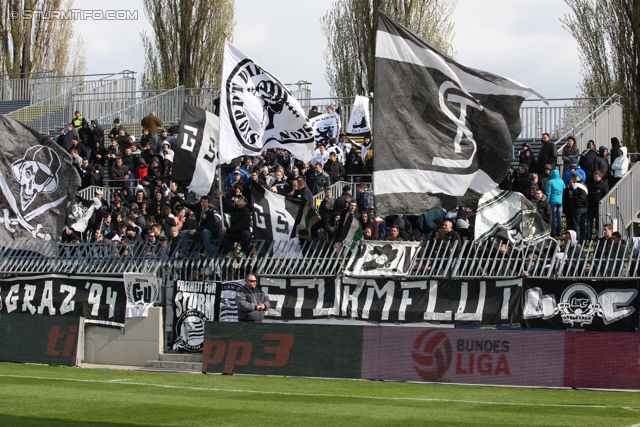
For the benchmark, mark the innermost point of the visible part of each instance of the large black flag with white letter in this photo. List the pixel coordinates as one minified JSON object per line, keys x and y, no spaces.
{"x":443,"y":131}
{"x":195,"y":161}
{"x":37,"y":180}
{"x":274,"y":216}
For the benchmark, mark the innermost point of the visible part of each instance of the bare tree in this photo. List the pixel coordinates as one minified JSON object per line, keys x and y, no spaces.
{"x":350,"y":29}
{"x":187,"y":42}
{"x":608,"y":36}
{"x":34,"y":41}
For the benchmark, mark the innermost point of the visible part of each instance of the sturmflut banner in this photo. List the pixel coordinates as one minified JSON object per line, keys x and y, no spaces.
{"x":98,"y":299}
{"x":444,"y":132}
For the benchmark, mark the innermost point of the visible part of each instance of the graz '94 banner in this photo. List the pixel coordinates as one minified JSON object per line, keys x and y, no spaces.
{"x":610,"y":306}
{"x":98,"y":300}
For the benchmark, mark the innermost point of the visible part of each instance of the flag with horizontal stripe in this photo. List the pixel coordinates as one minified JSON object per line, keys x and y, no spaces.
{"x":510,"y":217}
{"x":444,"y":131}
{"x":257,"y":112}
{"x":196,"y":155}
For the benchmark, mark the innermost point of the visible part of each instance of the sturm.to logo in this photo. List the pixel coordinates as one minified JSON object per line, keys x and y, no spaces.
{"x":249,"y":89}
{"x":432,"y":355}
{"x":189,"y":330}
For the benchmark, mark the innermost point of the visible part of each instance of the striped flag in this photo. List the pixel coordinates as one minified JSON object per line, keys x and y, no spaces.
{"x":444,"y":131}
{"x":196,"y":157}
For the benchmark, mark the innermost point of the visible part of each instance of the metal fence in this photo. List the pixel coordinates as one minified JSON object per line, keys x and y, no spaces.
{"x":492,"y":259}
{"x":621,"y":205}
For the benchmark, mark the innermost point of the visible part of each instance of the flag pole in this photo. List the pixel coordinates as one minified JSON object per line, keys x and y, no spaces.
{"x":220,"y":165}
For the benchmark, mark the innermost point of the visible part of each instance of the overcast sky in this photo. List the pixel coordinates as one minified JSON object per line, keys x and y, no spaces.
{"x":520,"y":39}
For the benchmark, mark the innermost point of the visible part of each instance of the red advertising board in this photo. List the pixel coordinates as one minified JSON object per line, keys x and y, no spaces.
{"x":602,"y":360}
{"x":472,"y":356}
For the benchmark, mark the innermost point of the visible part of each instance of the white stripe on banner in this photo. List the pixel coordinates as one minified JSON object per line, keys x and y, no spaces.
{"x":397,"y":48}
{"x":433,"y":182}
{"x":206,"y":164}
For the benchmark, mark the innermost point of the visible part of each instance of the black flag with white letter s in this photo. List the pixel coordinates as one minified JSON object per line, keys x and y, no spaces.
{"x":196,"y":154}
{"x":37,"y":180}
{"x":443,"y":131}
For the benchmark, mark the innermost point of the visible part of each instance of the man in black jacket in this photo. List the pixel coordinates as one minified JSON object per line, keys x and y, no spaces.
{"x":239,"y":229}
{"x":548,"y":153}
{"x":207,"y":228}
{"x":580,"y":202}
{"x":252,"y":303}
{"x":597,"y":190}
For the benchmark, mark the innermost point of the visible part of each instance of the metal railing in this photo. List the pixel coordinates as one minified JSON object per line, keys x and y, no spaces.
{"x":167,"y":105}
{"x":621,"y":205}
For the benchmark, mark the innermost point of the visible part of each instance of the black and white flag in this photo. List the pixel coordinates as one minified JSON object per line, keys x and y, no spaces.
{"x":36,"y":181}
{"x":444,"y":131}
{"x":274,"y":216}
{"x":510,"y":217}
{"x":195,"y":159}
{"x":257,"y":112}
{"x":359,"y":122}
{"x":382,"y":259}
{"x":142,"y":291}
{"x":80,"y":212}
{"x":325,"y":126}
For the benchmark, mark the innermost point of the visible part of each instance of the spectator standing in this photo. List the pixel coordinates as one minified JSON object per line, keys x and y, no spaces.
{"x":334,"y":167}
{"x":69,"y":136}
{"x":252,"y":303}
{"x":575,"y":168}
{"x":548,"y":153}
{"x":97,"y":131}
{"x":597,"y":190}
{"x":588,"y":161}
{"x":554,"y":191}
{"x":620,"y":166}
{"x":570,"y":151}
{"x":152,"y":123}
{"x":602,"y":164}
{"x":579,"y":207}
{"x":319,"y":180}
{"x":78,"y":121}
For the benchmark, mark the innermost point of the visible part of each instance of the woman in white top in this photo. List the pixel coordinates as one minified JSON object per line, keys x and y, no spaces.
{"x":620,"y":165}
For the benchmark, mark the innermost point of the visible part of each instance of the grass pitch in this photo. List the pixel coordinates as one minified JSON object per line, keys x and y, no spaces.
{"x":57,"y":396}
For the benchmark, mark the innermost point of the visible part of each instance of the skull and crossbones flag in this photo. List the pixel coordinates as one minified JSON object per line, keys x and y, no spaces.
{"x":37,"y":180}
{"x":444,"y":131}
{"x":257,"y":112}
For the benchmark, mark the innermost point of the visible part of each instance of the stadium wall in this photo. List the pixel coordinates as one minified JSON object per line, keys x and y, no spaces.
{"x":467,"y":356}
{"x":141,"y":341}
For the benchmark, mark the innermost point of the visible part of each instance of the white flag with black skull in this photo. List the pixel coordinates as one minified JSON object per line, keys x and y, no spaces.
{"x":257,"y":112}
{"x":325,"y":126}
{"x":36,"y":181}
{"x":382,"y":259}
{"x":359,"y":122}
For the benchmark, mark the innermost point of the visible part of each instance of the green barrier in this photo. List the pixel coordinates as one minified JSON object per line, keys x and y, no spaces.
{"x":283,"y":349}
{"x":39,"y":339}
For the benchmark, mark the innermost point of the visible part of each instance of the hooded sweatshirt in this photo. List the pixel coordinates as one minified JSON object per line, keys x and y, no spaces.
{"x":621,"y":165}
{"x":554,"y":190}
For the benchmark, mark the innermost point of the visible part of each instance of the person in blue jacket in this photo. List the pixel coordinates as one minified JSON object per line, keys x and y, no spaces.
{"x":575,"y":167}
{"x":554,"y":190}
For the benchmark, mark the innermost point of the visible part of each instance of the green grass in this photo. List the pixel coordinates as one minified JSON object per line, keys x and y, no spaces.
{"x":57,"y":396}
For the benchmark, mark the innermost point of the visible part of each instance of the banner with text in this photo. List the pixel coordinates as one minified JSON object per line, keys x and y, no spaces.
{"x":487,"y":302}
{"x":98,"y":299}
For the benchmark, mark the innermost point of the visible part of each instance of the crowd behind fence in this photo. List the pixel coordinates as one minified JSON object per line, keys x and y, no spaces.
{"x":491,"y":259}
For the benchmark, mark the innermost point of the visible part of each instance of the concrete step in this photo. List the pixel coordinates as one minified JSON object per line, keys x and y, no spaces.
{"x":181,"y":357}
{"x":177,"y":366}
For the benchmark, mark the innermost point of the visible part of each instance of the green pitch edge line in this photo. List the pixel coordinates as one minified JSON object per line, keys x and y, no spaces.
{"x":342,"y":396}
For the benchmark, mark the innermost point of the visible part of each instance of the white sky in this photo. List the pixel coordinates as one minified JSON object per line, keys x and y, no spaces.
{"x":520,"y":39}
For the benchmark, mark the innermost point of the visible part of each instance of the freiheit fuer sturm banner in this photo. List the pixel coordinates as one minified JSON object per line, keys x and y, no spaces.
{"x":99,"y":300}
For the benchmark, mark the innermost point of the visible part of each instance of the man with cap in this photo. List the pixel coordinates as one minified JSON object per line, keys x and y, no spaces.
{"x":239,"y":229}
{"x":207,"y":228}
{"x":341,"y":201}
{"x":575,"y":167}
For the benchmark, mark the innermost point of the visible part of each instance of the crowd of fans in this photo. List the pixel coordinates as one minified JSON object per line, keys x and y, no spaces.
{"x":148,"y":207}
{"x":576,"y":190}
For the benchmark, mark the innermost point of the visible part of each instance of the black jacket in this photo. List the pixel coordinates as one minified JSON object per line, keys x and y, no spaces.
{"x":247,"y":300}
{"x":548,"y":155}
{"x":597,"y":190}
{"x":240,"y":218}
